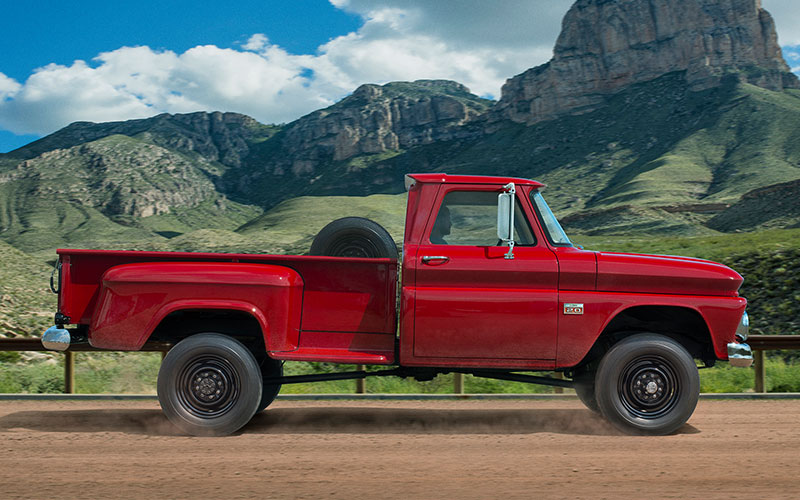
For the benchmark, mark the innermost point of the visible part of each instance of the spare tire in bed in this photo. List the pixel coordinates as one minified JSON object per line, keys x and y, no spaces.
{"x":354,"y":237}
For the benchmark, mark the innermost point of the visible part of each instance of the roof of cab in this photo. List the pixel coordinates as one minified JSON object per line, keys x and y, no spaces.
{"x":470,"y":179}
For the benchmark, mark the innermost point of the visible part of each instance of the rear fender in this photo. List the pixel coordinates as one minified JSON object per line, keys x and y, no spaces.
{"x":135,"y":298}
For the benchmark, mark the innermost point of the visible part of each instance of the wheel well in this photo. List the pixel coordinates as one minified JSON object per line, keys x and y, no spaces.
{"x":240,"y":325}
{"x":682,"y":324}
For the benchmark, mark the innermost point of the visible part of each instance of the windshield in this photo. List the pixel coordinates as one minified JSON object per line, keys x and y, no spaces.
{"x":554,"y":231}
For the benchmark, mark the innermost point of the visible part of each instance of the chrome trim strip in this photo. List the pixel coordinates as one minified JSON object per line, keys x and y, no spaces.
{"x":743,"y":330}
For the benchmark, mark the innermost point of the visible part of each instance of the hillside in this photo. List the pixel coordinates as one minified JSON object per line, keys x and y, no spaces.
{"x":113,"y":189}
{"x":26,"y":303}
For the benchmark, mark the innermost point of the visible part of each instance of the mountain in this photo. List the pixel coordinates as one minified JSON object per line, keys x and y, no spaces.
{"x":653,"y":116}
{"x":340,"y":150}
{"x":606,"y":46}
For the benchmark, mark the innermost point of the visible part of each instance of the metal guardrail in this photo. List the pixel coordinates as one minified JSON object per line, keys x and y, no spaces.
{"x":35,"y":344}
{"x":759,"y":344}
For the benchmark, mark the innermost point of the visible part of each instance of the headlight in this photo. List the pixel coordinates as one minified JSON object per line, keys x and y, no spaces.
{"x":744,"y":328}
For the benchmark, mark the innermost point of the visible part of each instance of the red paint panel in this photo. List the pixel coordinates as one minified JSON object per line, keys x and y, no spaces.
{"x":337,"y":347}
{"x":472,"y":179}
{"x":134,"y":298}
{"x":485,"y":323}
{"x":578,"y":333}
{"x":577,"y":269}
{"x":350,"y":297}
{"x":619,"y":272}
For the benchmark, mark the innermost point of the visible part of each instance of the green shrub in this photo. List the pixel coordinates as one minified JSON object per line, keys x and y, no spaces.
{"x":31,"y":378}
{"x":725,"y":378}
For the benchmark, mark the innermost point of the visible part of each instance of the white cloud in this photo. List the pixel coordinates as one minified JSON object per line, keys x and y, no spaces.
{"x":475,"y":42}
{"x":8,"y":87}
{"x":257,"y":42}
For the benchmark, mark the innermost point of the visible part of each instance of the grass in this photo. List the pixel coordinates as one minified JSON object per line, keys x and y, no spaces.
{"x":781,"y":376}
{"x":717,"y":247}
{"x":95,"y":373}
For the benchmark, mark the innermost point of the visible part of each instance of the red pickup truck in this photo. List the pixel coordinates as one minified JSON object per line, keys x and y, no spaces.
{"x":491,"y":286}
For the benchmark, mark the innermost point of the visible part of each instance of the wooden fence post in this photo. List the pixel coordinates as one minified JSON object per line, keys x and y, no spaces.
{"x":458,"y":383}
{"x":361,"y":384}
{"x":761,"y":372}
{"x":69,"y":372}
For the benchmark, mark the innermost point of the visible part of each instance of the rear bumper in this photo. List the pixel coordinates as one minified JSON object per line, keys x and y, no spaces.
{"x":56,"y":339}
{"x":740,"y":354}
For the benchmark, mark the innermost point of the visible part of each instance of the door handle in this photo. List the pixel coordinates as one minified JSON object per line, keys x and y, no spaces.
{"x":432,"y":258}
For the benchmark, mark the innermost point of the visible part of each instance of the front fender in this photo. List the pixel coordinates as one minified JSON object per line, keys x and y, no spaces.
{"x":578,"y":333}
{"x":135,"y":298}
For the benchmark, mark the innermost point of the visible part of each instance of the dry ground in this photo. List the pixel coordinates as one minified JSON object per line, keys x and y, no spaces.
{"x":398,"y":449}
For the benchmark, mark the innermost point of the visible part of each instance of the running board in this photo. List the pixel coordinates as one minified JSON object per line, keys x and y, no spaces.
{"x":410,"y":372}
{"x":518,"y":377}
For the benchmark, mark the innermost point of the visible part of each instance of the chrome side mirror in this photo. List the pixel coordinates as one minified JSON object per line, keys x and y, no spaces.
{"x":505,"y":218}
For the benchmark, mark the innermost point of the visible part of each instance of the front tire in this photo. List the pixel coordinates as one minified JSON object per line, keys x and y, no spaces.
{"x":585,"y":389}
{"x":647,"y":384}
{"x":209,"y":385}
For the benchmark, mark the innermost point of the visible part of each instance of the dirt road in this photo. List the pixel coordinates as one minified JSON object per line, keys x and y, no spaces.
{"x":392,"y":449}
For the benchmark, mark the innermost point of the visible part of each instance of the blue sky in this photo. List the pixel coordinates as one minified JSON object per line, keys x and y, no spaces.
{"x":61,"y":32}
{"x":273,"y":60}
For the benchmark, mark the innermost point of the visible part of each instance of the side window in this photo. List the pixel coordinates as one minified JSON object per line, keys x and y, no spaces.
{"x":470,"y":218}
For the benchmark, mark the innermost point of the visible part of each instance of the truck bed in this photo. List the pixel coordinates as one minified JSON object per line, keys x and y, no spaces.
{"x":348,"y":304}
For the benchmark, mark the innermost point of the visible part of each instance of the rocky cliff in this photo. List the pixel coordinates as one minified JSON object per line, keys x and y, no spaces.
{"x":375,"y":119}
{"x":607,"y":45}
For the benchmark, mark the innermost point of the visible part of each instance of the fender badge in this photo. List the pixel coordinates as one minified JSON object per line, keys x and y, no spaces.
{"x":573,"y":308}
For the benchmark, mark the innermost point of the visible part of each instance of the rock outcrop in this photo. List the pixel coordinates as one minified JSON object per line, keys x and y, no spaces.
{"x":772,"y":206}
{"x":606,"y":45}
{"x":375,"y":119}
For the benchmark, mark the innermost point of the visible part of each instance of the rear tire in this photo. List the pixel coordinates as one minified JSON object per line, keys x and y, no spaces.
{"x":354,"y":237}
{"x":647,"y":384}
{"x":209,"y":385}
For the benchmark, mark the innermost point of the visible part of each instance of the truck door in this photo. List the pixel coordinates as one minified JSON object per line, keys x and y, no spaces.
{"x":470,"y":301}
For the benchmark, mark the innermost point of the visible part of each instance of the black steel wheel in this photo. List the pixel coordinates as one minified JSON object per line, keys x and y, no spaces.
{"x":354,"y":237}
{"x":649,"y":387}
{"x":209,"y":385}
{"x":270,"y":368}
{"x":647,"y":384}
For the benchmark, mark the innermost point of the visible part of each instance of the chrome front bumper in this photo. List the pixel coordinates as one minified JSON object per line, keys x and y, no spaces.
{"x":740,"y":354}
